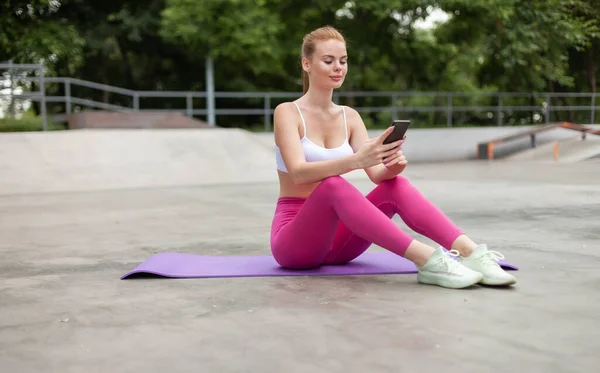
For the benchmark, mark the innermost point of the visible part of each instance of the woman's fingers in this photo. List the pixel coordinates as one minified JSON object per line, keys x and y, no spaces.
{"x":392,"y":158}
{"x":393,"y":145}
{"x":397,"y":158}
{"x":385,"y":134}
{"x":392,"y":153}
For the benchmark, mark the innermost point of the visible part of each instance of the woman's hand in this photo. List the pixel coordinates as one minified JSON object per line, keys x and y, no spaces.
{"x":395,"y":164}
{"x":397,"y":158}
{"x":374,"y":152}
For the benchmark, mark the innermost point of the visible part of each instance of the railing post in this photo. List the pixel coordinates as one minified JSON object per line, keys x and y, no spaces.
{"x":394,"y":107}
{"x":592,"y":119}
{"x":189,"y":105}
{"x":547,"y":110}
{"x":68,"y":95}
{"x":43,"y":99}
{"x":136,"y":101}
{"x":449,"y":111}
{"x":11,"y":103}
{"x":267,"y":112}
{"x":499,"y":119}
{"x":210,"y":91}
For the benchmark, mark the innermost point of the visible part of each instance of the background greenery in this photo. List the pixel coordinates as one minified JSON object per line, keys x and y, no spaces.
{"x":485,"y":46}
{"x":28,"y":122}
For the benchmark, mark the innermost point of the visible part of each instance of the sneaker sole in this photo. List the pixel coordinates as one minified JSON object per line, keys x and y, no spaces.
{"x":508,"y":282}
{"x":445,"y":282}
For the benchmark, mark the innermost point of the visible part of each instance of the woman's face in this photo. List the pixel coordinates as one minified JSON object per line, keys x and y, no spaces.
{"x":329,"y":64}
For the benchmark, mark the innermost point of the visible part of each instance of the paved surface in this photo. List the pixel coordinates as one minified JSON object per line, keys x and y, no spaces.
{"x":64,"y":309}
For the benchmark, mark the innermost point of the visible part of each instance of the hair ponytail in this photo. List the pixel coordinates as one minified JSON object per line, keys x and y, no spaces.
{"x":305,"y":82}
{"x":309,"y":44}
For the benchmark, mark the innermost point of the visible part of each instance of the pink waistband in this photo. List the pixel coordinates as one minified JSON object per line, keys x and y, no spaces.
{"x":290,"y":200}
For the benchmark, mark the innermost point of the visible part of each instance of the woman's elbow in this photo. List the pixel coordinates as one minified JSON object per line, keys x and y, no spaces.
{"x":298,"y":176}
{"x":374,"y":177}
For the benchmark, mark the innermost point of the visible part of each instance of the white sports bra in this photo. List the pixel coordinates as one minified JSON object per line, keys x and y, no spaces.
{"x":314,"y":152}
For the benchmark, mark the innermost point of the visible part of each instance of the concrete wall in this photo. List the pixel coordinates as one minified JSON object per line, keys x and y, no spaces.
{"x":457,"y":144}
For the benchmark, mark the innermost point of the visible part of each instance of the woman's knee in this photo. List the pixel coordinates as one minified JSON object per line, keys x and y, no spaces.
{"x":333,"y":185}
{"x":397,"y":182}
{"x":337,"y":188}
{"x":400,"y":179}
{"x":333,"y":181}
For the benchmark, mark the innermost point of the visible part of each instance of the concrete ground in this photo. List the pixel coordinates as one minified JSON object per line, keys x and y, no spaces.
{"x":64,"y":309}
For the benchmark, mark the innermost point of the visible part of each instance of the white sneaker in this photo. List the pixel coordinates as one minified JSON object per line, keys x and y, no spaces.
{"x":442,"y":270}
{"x":485,"y":262}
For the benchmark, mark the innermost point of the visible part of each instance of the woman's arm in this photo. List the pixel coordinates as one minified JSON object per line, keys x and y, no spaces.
{"x":286,"y":137}
{"x":359,"y":135}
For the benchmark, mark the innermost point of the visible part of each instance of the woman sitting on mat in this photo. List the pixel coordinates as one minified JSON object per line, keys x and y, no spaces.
{"x":320,"y":218}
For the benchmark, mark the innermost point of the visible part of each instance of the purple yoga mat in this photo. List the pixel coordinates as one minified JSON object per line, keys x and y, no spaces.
{"x":178,"y":265}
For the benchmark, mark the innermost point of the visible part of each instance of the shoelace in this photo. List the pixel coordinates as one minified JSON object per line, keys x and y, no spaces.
{"x":491,"y":258}
{"x":448,"y":259}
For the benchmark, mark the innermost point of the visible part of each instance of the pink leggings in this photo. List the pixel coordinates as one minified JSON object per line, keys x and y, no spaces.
{"x":336,"y":223}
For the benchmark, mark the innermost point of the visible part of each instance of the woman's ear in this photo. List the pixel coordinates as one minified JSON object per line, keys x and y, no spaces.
{"x":305,"y":64}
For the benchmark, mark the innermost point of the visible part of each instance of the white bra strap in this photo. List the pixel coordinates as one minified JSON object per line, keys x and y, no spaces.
{"x":301,"y":117}
{"x":345,"y":124}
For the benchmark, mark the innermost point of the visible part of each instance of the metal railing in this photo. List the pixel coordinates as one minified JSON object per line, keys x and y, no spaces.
{"x":39,"y":95}
{"x":545,"y":102}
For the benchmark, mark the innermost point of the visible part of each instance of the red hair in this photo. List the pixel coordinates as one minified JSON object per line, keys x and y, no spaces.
{"x":309,"y":43}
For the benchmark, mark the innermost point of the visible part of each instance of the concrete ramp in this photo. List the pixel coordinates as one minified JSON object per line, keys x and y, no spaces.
{"x":573,"y":149}
{"x":95,"y":119}
{"x":99,"y":159}
{"x":83,"y":160}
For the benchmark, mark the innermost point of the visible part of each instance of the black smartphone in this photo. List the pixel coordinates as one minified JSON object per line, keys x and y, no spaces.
{"x":400,"y":128}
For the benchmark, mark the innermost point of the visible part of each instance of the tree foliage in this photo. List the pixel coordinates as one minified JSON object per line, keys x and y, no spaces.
{"x":36,"y":32}
{"x":483,"y":46}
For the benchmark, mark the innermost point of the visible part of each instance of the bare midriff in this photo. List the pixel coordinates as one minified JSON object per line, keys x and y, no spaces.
{"x":287,"y":188}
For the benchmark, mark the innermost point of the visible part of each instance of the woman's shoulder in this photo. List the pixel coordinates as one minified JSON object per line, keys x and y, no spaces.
{"x":348,"y":110}
{"x":290,"y":108}
{"x":286,"y":105}
{"x":284,"y":109}
{"x":284,"y":114}
{"x":352,"y":115}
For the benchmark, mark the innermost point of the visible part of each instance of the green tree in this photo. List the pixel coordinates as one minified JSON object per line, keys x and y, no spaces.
{"x":485,"y":46}
{"x":525,"y":43}
{"x":35,"y":32}
{"x":583,"y":62}
{"x":241,"y":37}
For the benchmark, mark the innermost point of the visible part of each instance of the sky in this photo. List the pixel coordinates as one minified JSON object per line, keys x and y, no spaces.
{"x":437,"y":15}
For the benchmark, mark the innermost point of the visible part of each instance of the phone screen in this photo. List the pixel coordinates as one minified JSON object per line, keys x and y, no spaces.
{"x":400,"y":128}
